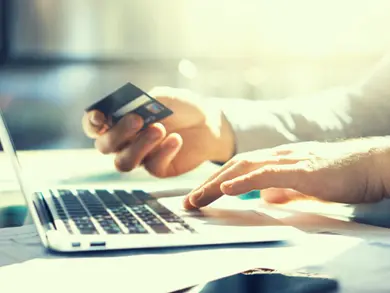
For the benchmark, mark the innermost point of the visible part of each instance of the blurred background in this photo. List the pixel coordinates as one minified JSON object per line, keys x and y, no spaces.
{"x":59,"y":56}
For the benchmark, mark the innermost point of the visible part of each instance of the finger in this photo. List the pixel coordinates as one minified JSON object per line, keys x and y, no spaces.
{"x":216,"y":174}
{"x":282,"y":195}
{"x":279,"y":176}
{"x":212,"y":190}
{"x":131,"y":156}
{"x":194,"y":193}
{"x":121,"y":134}
{"x":93,"y":123}
{"x":159,"y":163}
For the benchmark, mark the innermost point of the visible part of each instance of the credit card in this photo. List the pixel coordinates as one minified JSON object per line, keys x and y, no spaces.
{"x":130,"y":99}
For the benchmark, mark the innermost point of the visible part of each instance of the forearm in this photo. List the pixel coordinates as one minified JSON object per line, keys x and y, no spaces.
{"x":379,"y":149}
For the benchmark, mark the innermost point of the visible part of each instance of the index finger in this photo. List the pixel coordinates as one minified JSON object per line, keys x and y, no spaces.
{"x":94,"y":123}
{"x":199,"y":190}
{"x":276,"y":176}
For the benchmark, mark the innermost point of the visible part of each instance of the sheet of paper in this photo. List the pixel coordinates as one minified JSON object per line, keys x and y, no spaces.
{"x":150,"y":270}
{"x":314,"y":223}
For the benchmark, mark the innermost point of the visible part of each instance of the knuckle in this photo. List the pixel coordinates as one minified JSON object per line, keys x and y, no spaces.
{"x":232,"y":161}
{"x":308,"y":175}
{"x":248,"y":177}
{"x":308,"y":166}
{"x":241,"y":159}
{"x":270,"y":169}
{"x":245,"y":163}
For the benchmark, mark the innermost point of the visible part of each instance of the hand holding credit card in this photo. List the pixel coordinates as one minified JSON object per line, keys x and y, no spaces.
{"x":196,"y":132}
{"x":130,"y":99}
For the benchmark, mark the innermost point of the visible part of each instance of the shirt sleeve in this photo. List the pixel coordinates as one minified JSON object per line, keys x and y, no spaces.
{"x":360,"y":110}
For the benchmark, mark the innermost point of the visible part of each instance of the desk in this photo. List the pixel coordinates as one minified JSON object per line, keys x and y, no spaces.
{"x":359,"y":265}
{"x":360,"y":261}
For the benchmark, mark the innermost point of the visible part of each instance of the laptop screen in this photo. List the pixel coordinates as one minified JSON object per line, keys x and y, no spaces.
{"x":10,"y":152}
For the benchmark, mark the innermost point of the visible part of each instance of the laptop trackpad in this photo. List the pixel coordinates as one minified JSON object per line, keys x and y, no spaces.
{"x":226,"y":217}
{"x":222,"y":217}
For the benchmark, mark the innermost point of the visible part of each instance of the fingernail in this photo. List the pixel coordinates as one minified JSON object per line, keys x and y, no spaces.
{"x":185,"y":202}
{"x":193,"y":191}
{"x":196,"y":197}
{"x":95,"y":120}
{"x":173,"y":144}
{"x":188,"y":206}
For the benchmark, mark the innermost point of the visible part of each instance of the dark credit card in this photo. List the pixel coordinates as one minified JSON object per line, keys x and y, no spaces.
{"x":130,"y":99}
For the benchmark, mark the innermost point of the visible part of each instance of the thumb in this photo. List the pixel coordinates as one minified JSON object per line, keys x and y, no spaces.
{"x":93,"y":123}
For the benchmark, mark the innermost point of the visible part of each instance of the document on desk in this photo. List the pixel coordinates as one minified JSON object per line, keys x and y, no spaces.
{"x":325,"y":224}
{"x":23,"y":261}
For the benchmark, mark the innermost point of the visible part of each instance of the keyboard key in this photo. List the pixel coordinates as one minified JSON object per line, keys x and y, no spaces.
{"x":158,"y":208}
{"x":109,"y":199}
{"x":129,"y":221}
{"x":167,"y":215}
{"x":120,"y":211}
{"x":60,"y":211}
{"x":150,"y":219}
{"x":160,"y":229}
{"x":77,"y":213}
{"x":99,"y":212}
{"x":85,"y":225}
{"x":172,"y":218}
{"x":128,"y":198}
{"x":142,"y":196}
{"x":72,"y":204}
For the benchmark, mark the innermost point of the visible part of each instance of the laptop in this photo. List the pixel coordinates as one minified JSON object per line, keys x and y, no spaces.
{"x":79,"y":219}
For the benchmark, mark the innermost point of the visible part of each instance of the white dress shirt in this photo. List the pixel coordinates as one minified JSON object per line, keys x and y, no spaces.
{"x":362,"y":109}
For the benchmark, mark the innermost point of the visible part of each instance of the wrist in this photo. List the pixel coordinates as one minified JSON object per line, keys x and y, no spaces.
{"x":224,"y":146}
{"x":381,"y":162}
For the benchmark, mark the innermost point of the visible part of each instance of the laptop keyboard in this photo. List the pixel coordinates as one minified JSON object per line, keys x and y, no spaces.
{"x":116,"y":212}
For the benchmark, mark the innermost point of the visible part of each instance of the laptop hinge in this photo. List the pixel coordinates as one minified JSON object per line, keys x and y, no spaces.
{"x":44,"y":213}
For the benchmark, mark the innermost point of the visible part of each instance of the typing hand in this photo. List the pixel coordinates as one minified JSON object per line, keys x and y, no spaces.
{"x":193,"y":134}
{"x":346,"y":172}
